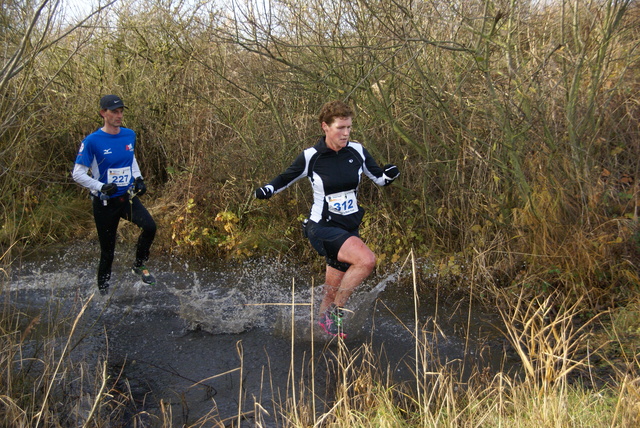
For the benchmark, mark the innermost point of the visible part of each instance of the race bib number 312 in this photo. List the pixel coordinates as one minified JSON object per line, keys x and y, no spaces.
{"x":343,"y":203}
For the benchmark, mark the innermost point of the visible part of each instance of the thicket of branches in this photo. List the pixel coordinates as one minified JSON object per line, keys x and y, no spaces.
{"x":514,"y":123}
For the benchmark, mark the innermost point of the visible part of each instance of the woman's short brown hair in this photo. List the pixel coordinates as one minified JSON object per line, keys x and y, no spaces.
{"x":334,"y":109}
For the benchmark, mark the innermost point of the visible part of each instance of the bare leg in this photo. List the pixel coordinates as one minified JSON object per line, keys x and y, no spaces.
{"x":362,"y":261}
{"x":332,"y":281}
{"x":338,"y":285}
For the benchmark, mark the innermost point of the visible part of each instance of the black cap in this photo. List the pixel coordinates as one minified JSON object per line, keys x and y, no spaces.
{"x":111,"y":102}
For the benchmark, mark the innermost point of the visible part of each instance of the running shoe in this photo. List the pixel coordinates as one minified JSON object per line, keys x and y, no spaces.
{"x":103,"y":288}
{"x":332,"y":321}
{"x":144,"y":274}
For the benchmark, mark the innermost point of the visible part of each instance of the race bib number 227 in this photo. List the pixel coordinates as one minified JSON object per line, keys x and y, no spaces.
{"x":119,"y":176}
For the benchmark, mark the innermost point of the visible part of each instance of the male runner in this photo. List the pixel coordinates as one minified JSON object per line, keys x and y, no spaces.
{"x":107,"y":166}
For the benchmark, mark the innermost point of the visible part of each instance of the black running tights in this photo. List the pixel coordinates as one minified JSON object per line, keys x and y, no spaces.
{"x":107,"y":218}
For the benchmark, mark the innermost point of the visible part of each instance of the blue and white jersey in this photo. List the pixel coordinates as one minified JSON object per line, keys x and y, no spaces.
{"x":110,"y":158}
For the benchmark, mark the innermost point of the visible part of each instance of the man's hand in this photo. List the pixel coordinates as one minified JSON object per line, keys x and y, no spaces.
{"x":109,"y":189}
{"x":139,"y":188}
{"x":265,"y":192}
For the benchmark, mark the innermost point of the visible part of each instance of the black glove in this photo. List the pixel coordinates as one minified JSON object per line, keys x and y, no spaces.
{"x":139,"y":187}
{"x":109,"y":189}
{"x":391,"y":172}
{"x":265,"y":192}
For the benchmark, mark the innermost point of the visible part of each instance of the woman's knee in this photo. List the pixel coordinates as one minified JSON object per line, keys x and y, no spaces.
{"x":357,"y":253}
{"x":369,"y":259}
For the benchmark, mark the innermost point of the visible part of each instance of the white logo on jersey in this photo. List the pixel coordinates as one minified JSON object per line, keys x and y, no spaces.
{"x":107,"y":152}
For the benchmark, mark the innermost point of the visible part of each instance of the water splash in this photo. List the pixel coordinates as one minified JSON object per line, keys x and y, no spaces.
{"x":218,"y":312}
{"x":260,"y":301}
{"x":304,"y":325}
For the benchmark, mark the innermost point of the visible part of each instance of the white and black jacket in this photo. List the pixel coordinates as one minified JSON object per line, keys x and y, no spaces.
{"x":334,"y":177}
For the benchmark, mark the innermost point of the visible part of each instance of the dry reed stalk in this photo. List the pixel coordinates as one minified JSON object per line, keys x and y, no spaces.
{"x":97,"y":401}
{"x":293,"y":341}
{"x":240,"y":351}
{"x":543,"y":333}
{"x":200,"y":382}
{"x":63,"y":355}
{"x":313,"y":353}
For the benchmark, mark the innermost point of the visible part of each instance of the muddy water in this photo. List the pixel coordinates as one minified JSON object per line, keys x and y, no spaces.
{"x":214,"y":339}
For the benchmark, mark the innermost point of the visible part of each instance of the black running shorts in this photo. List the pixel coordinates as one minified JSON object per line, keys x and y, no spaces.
{"x":327,"y":241}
